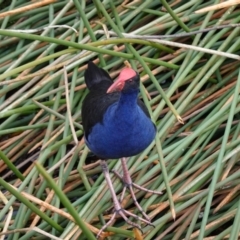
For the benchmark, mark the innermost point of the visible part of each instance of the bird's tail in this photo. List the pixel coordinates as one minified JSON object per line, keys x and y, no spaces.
{"x":94,"y":75}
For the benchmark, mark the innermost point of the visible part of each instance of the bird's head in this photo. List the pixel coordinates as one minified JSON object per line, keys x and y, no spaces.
{"x":127,"y":81}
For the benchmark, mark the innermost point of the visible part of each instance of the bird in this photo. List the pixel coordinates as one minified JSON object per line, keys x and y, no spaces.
{"x":116,"y":125}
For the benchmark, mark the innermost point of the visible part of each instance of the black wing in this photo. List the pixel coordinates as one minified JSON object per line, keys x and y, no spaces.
{"x":97,"y":100}
{"x":94,"y":106}
{"x":143,"y":107}
{"x":95,"y":75}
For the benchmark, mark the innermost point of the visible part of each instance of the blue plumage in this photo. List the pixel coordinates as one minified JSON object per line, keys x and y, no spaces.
{"x":125,"y":130}
{"x":124,"y":127}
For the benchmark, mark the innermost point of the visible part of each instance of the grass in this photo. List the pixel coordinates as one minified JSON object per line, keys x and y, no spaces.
{"x":51,"y":186}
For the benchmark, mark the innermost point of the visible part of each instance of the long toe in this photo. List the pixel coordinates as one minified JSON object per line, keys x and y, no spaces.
{"x":124,"y":213}
{"x":117,"y":206}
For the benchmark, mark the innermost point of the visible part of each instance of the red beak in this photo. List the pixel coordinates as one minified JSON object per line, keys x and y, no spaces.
{"x":124,"y":75}
{"x":116,"y":86}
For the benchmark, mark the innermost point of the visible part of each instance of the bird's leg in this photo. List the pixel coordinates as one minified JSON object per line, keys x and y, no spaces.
{"x":126,"y":178}
{"x":118,"y":209}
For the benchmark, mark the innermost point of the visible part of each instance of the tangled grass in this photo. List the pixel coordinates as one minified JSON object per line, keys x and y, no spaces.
{"x":51,"y":187}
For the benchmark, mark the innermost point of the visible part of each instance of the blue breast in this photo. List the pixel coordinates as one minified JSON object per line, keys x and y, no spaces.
{"x":124,"y":131}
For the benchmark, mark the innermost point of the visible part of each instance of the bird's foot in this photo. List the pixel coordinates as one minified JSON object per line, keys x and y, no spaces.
{"x":123,"y":213}
{"x":117,"y":206}
{"x":129,"y":184}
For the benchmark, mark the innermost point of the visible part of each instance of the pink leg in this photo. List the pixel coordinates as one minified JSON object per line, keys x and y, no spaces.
{"x":126,"y":178}
{"x":118,"y":209}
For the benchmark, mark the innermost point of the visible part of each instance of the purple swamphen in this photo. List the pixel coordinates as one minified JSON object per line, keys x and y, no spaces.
{"x":116,"y":125}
